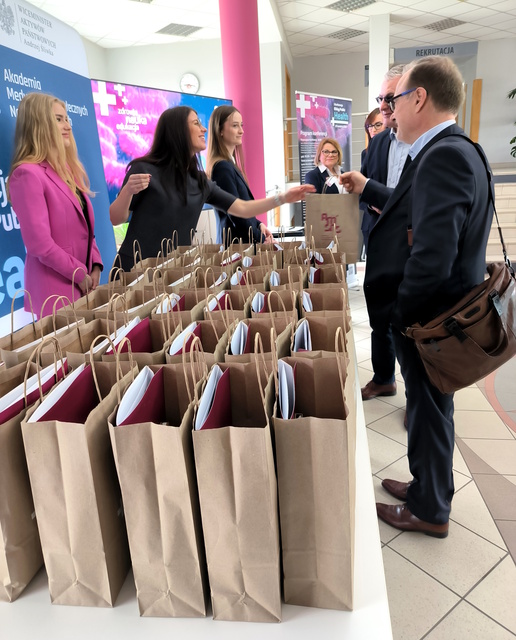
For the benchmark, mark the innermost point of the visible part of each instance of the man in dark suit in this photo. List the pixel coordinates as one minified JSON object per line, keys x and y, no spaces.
{"x":445,"y":192}
{"x":383,"y":163}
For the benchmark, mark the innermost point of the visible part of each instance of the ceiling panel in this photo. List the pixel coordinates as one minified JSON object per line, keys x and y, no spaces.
{"x":125,"y":23}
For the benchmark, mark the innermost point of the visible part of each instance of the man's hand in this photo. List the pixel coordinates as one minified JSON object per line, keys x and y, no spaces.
{"x":353,"y":181}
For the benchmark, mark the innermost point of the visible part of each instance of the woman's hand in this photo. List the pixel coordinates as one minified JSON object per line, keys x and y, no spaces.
{"x":294,"y":194}
{"x":85,"y":285}
{"x":137,"y":182}
{"x":95,"y":277}
{"x":353,"y":181}
{"x":266,"y":235}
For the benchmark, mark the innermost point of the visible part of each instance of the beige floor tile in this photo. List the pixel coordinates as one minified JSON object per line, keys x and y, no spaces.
{"x":511,"y":479}
{"x":496,"y":594}
{"x":398,"y":470}
{"x":480,"y":424}
{"x":360,"y":315}
{"x":470,"y":510}
{"x":471,"y":624}
{"x":499,"y":494}
{"x":364,"y":374}
{"x":362,"y":353}
{"x":392,"y":426}
{"x":460,"y":480}
{"x":471,"y":399}
{"x":383,"y":451}
{"x":416,"y":601}
{"x":459,"y":464}
{"x":375,"y":409}
{"x":399,"y":400}
{"x":498,"y":454}
{"x":450,"y":560}
{"x":361,"y":332}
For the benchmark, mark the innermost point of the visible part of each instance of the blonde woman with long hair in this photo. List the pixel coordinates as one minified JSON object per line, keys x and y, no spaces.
{"x":49,"y":191}
{"x":225,"y":166}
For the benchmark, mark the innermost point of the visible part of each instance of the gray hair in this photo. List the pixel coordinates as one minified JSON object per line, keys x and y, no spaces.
{"x":395,"y":72}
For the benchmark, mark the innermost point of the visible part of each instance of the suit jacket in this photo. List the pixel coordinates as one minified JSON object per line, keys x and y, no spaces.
{"x":374,"y":165}
{"x":229,"y":178}
{"x":443,"y":193}
{"x":55,"y":232}
{"x":318,"y":179}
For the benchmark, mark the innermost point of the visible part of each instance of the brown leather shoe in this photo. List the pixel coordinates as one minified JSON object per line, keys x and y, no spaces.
{"x":396,"y":489}
{"x":399,"y":517}
{"x":372,"y":390}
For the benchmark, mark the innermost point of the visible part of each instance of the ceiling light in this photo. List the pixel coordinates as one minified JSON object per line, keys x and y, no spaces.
{"x":442,"y":25}
{"x":349,"y":5}
{"x":345,"y":34}
{"x":143,"y":1}
{"x":178,"y":30}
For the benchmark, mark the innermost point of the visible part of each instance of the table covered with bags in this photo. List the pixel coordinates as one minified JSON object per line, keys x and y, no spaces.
{"x":188,"y":454}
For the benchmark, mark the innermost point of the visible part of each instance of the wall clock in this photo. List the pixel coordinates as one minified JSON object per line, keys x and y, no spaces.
{"x":189,"y":83}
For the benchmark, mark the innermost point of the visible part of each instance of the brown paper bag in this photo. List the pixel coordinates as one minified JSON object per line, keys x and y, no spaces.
{"x":275,"y":333}
{"x":237,"y":491}
{"x":20,"y":548}
{"x":315,"y":459}
{"x":154,"y":456}
{"x":76,"y":495}
{"x":335,"y":215}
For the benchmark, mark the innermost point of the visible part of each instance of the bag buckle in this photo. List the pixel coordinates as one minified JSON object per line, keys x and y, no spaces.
{"x":452,"y":326}
{"x":494,"y":298}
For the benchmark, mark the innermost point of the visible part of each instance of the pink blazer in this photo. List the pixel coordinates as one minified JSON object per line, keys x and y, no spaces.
{"x":55,"y":234}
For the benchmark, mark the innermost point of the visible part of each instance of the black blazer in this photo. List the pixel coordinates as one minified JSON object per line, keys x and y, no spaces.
{"x":228,"y":177}
{"x":374,"y":165}
{"x":444,"y":192}
{"x":318,"y":178}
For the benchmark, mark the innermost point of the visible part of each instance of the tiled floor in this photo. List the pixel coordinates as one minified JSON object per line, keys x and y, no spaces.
{"x":462,"y":587}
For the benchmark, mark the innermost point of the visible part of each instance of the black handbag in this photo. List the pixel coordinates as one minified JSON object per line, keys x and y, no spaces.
{"x":476,"y":336}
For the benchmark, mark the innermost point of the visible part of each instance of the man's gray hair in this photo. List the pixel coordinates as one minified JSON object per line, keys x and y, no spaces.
{"x":395,"y":72}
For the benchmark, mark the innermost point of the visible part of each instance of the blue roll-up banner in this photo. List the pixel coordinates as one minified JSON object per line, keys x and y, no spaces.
{"x":40,"y":53}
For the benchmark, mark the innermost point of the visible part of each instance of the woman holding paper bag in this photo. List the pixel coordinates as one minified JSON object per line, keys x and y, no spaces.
{"x":225,"y":166}
{"x":165,"y":190}
{"x":327,"y":160}
{"x":49,"y":190}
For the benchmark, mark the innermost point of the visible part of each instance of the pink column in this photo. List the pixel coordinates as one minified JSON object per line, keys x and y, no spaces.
{"x":242,"y":80}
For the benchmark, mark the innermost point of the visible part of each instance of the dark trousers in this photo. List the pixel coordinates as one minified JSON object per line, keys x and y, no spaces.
{"x":383,"y":354}
{"x":430,"y":432}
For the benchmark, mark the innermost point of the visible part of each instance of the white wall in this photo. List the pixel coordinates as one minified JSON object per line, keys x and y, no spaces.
{"x":495,"y":65}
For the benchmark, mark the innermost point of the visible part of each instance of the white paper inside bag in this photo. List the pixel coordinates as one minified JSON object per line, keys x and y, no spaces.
{"x":178,"y":343}
{"x":207,"y":397}
{"x":302,"y":337}
{"x":287,"y":390}
{"x":116,"y":336}
{"x":134,"y":394}
{"x":56,"y":393}
{"x":307,"y":302}
{"x":239,"y":339}
{"x":311,"y":277}
{"x":35,"y":342}
{"x":258,"y":302}
{"x":213,"y":303}
{"x":274,"y":279}
{"x":219,"y":280}
{"x":236,"y":277}
{"x":167,"y":304}
{"x":32,"y":384}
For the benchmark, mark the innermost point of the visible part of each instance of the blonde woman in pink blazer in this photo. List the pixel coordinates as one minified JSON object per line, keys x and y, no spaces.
{"x":49,"y":191}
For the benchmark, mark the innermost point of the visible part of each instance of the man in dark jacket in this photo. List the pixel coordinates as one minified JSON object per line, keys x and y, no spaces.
{"x":441,"y":206}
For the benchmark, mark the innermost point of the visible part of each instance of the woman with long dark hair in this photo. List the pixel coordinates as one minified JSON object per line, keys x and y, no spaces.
{"x":165,"y":190}
{"x":225,"y":166}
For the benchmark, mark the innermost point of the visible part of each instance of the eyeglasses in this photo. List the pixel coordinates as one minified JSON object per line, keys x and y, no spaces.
{"x":392,"y":101}
{"x":198,"y":123}
{"x":388,"y":97}
{"x":325,"y":152}
{"x":375,"y":125}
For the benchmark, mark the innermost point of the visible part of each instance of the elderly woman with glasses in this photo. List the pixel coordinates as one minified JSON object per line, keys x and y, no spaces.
{"x":327,"y":160}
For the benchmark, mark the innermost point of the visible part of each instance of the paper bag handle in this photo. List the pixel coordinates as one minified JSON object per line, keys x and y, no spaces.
{"x":36,"y":355}
{"x":25,"y":292}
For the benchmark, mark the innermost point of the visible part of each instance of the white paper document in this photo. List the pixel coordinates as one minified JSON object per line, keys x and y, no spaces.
{"x":35,"y":342}
{"x":311,"y":276}
{"x":167,"y":304}
{"x":223,"y":276}
{"x":233,"y":258}
{"x":287,"y":390}
{"x":133,"y":395}
{"x":56,"y":393}
{"x":207,"y":397}
{"x":274,"y":279}
{"x":213,"y":303}
{"x":236,"y":277}
{"x":258,"y":302}
{"x":247,"y":261}
{"x":177,"y":345}
{"x":307,"y":302}
{"x":302,"y":337}
{"x":116,"y":336}
{"x":239,"y":339}
{"x":32,"y":384}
